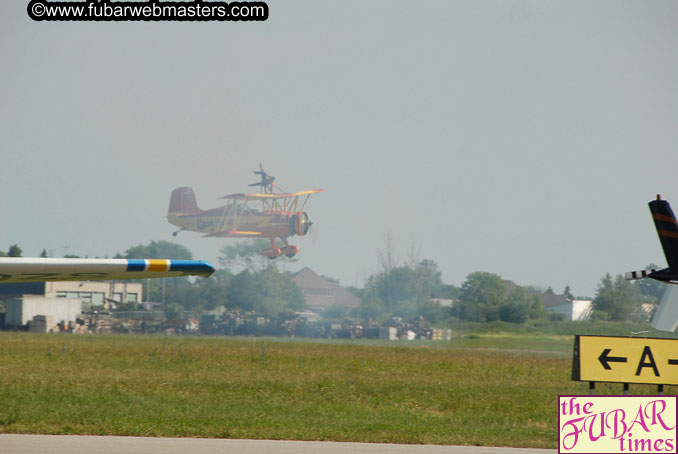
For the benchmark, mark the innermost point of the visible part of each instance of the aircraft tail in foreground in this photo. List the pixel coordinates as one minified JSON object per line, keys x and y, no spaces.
{"x":666,"y":317}
{"x":667,"y":229}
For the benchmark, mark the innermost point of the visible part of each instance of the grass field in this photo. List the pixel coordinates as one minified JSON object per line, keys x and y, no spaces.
{"x":478,"y":390}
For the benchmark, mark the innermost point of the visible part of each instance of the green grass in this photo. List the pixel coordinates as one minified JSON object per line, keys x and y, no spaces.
{"x":483,"y":390}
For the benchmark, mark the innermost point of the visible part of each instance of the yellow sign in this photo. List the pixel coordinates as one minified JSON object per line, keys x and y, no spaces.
{"x":625,"y":360}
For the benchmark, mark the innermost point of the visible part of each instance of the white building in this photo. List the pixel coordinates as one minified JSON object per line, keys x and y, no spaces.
{"x":91,"y":293}
{"x":576,"y":310}
{"x":96,"y":293}
{"x":22,"y":310}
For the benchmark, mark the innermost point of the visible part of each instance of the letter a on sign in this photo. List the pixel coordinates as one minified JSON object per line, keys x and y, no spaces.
{"x":647,"y":353}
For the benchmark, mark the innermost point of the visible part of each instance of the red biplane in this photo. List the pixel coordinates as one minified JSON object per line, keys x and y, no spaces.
{"x":264,"y":215}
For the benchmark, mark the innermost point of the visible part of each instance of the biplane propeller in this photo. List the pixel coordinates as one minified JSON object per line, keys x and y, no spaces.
{"x":263,"y":215}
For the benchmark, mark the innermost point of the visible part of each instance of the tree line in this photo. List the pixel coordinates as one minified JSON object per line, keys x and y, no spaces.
{"x":249,"y":282}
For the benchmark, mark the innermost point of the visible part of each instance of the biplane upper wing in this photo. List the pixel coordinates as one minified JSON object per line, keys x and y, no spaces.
{"x":20,"y":269}
{"x":285,"y":195}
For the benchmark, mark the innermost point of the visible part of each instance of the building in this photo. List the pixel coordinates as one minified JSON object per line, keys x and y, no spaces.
{"x":572,"y":309}
{"x":91,"y":293}
{"x":444,"y":302}
{"x":22,"y":310}
{"x":321,"y":293}
{"x":575,"y":310}
{"x":96,"y":293}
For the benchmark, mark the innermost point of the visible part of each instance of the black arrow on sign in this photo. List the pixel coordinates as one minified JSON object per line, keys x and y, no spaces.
{"x":605,"y":360}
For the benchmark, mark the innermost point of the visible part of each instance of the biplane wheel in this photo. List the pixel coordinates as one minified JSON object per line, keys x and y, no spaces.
{"x":290,"y":255}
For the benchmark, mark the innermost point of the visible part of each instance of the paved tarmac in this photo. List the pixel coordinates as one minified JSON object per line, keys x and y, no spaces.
{"x":76,"y":444}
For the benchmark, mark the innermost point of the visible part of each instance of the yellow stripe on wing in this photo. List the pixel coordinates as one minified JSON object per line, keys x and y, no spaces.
{"x":158,"y":265}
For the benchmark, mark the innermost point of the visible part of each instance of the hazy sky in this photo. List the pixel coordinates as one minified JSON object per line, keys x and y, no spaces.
{"x":523,"y":138}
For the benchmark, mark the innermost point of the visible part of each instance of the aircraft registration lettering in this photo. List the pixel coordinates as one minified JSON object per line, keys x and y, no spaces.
{"x":205,"y":224}
{"x":40,"y":276}
{"x":86,"y":276}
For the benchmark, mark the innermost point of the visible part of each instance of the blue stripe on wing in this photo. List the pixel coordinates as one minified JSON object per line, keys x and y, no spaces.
{"x":136,"y":265}
{"x":192,"y":266}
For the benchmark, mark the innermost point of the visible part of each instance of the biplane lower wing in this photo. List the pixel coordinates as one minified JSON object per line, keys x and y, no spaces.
{"x":233,"y":234}
{"x":19,"y":269}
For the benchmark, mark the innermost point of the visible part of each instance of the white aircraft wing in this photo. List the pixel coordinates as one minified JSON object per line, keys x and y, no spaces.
{"x":666,"y":317}
{"x":20,"y":269}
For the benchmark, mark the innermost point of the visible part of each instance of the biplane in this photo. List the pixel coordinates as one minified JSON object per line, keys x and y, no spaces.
{"x":666,"y":316}
{"x":263,"y":215}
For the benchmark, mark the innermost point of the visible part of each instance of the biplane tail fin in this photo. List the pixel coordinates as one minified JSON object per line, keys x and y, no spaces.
{"x":183,"y":201}
{"x":667,"y":229}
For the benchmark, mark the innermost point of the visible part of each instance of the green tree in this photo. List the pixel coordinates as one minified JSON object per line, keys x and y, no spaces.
{"x":245,"y":255}
{"x":174,"y":311}
{"x":651,"y":290}
{"x":14,"y":251}
{"x":520,"y":306}
{"x":431,"y":310}
{"x":372,"y":307}
{"x":405,"y":284}
{"x":214,"y":291}
{"x":159,"y":250}
{"x":481,"y":296}
{"x":266,"y":292}
{"x":405,"y":291}
{"x":43,"y":254}
{"x":430,"y":284}
{"x":616,"y":298}
{"x":336,"y":312}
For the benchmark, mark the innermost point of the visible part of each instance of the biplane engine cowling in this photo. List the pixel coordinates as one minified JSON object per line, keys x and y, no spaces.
{"x":299,"y":223}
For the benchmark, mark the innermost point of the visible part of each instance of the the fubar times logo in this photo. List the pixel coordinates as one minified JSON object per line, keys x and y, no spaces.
{"x":617,"y":424}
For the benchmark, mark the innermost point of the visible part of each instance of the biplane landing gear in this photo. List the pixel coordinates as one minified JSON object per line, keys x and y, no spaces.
{"x":177,"y":232}
{"x":271,"y":252}
{"x":290,"y":250}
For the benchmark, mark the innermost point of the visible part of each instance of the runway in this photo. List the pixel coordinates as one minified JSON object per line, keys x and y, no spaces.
{"x":77,"y":444}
